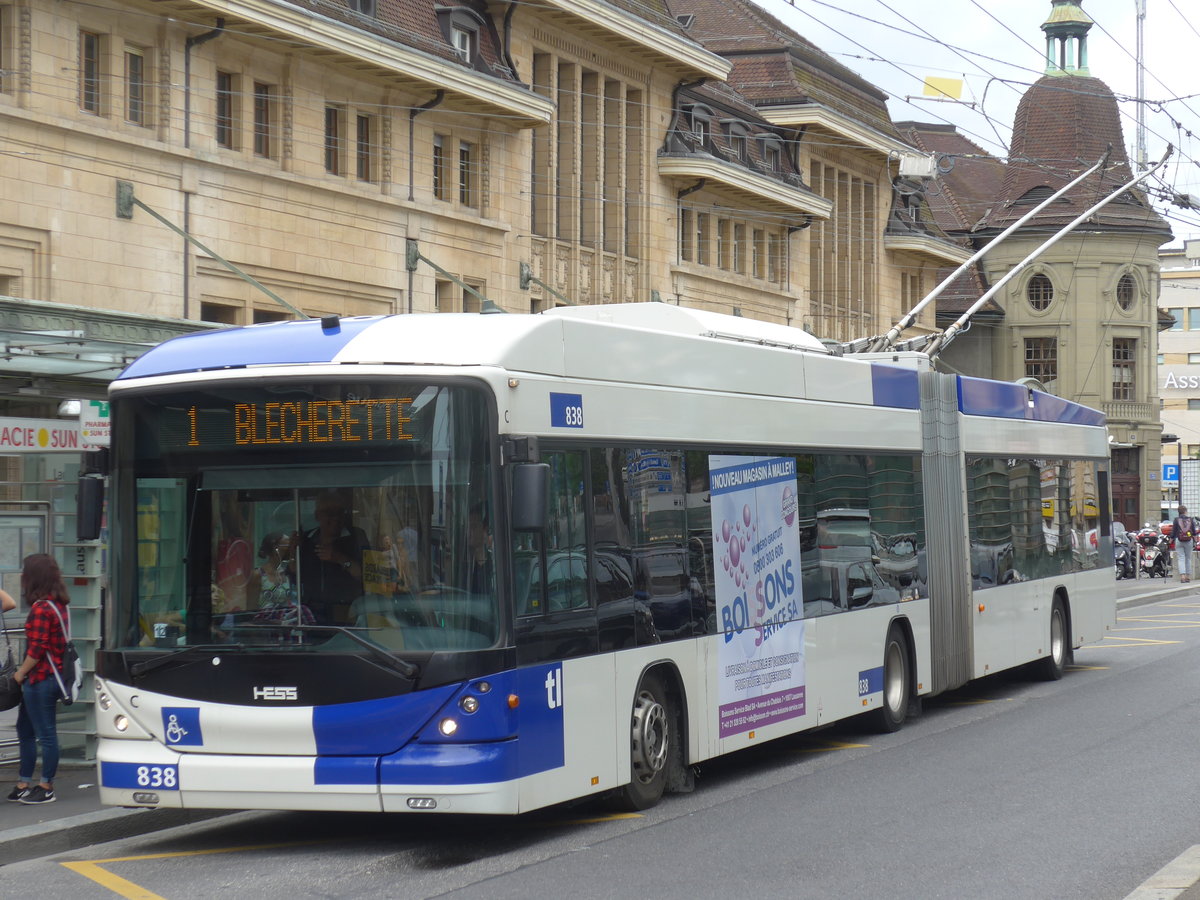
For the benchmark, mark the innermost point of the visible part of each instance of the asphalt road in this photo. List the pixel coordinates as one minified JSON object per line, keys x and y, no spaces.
{"x":1011,"y":788}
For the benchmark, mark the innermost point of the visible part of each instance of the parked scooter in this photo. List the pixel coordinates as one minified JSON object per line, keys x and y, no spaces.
{"x":1124,"y":559}
{"x":1154,"y":556}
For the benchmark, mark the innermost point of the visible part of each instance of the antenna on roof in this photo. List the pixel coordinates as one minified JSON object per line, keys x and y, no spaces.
{"x":888,"y":340}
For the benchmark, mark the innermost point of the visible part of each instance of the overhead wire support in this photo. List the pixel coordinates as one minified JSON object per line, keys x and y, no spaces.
{"x":943,"y":340}
{"x":885,"y":342}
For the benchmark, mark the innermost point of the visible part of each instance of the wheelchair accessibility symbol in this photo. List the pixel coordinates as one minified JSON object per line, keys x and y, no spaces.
{"x":181,"y":726}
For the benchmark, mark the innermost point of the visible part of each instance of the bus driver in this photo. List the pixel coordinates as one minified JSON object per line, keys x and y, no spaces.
{"x":329,"y":559}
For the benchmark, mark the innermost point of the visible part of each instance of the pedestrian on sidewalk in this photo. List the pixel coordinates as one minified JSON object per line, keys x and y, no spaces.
{"x":45,"y":643}
{"x":1183,"y":532}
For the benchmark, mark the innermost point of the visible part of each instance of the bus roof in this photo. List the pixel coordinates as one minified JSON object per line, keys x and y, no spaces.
{"x":644,"y":343}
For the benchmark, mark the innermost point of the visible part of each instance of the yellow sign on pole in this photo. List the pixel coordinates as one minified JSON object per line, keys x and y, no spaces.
{"x":949,"y":88}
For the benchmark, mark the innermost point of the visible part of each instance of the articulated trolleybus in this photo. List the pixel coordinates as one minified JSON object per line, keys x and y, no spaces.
{"x":489,"y":563}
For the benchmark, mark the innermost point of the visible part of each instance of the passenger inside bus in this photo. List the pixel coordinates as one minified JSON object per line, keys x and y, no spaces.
{"x":329,"y":560}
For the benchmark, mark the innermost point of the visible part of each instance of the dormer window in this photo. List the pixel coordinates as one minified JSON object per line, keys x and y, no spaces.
{"x":700,"y":122}
{"x":770,"y":148}
{"x":462,"y":27}
{"x":365,"y":7}
{"x":738,"y":140}
{"x":465,"y":42}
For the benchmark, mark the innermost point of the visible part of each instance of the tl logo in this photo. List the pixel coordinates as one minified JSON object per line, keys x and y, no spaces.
{"x":554,"y":688}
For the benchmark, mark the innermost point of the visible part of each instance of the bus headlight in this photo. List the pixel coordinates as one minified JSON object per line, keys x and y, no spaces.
{"x":468,"y":704}
{"x":121,"y":723}
{"x":104,"y":700}
{"x":447,"y":727}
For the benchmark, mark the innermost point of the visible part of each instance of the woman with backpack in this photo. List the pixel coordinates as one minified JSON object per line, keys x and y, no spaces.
{"x":1183,"y":532}
{"x":45,"y":643}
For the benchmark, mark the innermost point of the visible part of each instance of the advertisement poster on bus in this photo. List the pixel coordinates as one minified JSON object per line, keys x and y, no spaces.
{"x":756,"y":548}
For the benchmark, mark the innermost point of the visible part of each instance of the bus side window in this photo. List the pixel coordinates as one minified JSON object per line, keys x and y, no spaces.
{"x":553,"y":578}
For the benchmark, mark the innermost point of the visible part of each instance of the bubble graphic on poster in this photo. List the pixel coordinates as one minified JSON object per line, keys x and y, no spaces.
{"x":759,"y":591}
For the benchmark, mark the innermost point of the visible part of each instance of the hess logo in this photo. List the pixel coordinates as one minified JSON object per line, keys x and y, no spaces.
{"x":275,"y":693}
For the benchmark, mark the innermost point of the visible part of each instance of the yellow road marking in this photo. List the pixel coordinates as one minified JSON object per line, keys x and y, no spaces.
{"x":91,"y":869}
{"x":1137,"y":641}
{"x":826,"y":746}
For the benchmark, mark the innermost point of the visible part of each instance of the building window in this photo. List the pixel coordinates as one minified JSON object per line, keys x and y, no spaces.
{"x":1193,"y":404}
{"x":703,"y":237}
{"x":775,"y":258}
{"x":1124,"y":353}
{"x":465,"y":42}
{"x":1193,"y":318}
{"x":262,"y":119}
{"x":1041,"y":360}
{"x":1193,"y":359}
{"x":1177,"y":315}
{"x":1039,"y":291}
{"x":89,"y":72}
{"x":365,"y":7}
{"x":1126,"y":292}
{"x":8,"y":59}
{"x":135,"y":85}
{"x":771,"y":156}
{"x":724,"y":244}
{"x":362,"y":148}
{"x":466,"y":174}
{"x":439,"y":166}
{"x":333,"y":140}
{"x":739,"y":146}
{"x":226,"y":97}
{"x":739,"y":249}
{"x":686,"y":235}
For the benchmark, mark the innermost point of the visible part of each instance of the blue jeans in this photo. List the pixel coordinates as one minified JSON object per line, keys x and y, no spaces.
{"x":1183,"y":550}
{"x":36,"y":724}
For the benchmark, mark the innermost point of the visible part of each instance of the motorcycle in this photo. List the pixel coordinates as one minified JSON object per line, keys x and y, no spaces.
{"x":1123,"y":555}
{"x":1153,"y":553}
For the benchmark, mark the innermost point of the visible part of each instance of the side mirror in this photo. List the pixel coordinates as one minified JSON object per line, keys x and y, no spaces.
{"x":89,"y":508}
{"x":530,"y":494}
{"x":861,"y":595}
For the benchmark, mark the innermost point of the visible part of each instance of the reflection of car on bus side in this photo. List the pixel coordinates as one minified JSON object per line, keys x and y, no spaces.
{"x":838,"y":585}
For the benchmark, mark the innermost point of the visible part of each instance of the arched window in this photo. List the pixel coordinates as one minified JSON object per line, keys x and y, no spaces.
{"x":1126,"y":291}
{"x":1039,"y":291}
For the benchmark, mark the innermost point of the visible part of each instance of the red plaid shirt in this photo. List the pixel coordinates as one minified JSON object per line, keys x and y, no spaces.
{"x":44,"y":637}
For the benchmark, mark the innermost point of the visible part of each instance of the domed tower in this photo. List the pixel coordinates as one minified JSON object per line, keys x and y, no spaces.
{"x":1082,"y":319}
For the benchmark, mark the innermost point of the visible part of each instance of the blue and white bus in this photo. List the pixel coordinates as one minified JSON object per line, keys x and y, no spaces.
{"x":489,"y":563}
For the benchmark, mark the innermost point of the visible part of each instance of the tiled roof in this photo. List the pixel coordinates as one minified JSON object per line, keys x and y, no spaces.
{"x":1064,"y":124}
{"x":774,"y":65}
{"x":962,"y":196}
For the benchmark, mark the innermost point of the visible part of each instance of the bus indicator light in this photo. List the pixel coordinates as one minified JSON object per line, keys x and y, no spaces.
{"x":513,"y":701}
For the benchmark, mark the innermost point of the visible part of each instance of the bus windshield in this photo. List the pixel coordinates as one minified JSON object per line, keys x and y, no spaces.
{"x":283,"y":514}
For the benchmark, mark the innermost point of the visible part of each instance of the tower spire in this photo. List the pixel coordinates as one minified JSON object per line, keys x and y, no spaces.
{"x":1066,"y":38}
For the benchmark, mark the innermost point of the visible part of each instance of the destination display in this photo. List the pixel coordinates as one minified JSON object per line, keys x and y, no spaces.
{"x":378,"y":420}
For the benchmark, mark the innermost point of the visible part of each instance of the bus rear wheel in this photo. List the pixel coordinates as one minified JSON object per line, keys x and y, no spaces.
{"x":896,"y":683}
{"x":1050,"y":667}
{"x":651,"y":739}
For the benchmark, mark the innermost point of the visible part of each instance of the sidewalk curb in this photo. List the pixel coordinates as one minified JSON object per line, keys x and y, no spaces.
{"x":77,"y":832}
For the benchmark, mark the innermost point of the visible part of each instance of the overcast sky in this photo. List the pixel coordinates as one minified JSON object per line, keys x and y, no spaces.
{"x":997,"y":48}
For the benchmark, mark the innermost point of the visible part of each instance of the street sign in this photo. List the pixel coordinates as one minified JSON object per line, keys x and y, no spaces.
{"x":1170,"y":475}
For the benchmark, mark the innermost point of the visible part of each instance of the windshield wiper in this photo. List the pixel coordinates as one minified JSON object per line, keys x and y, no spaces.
{"x":180,"y":655}
{"x":405,"y":668}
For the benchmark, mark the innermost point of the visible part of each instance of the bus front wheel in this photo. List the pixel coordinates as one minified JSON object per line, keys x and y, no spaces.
{"x":894,"y":710}
{"x":651,"y":739}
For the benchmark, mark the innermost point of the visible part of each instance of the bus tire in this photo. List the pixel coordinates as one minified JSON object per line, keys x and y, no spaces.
{"x":1050,"y":667}
{"x":651,"y":745}
{"x":897,"y":683}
